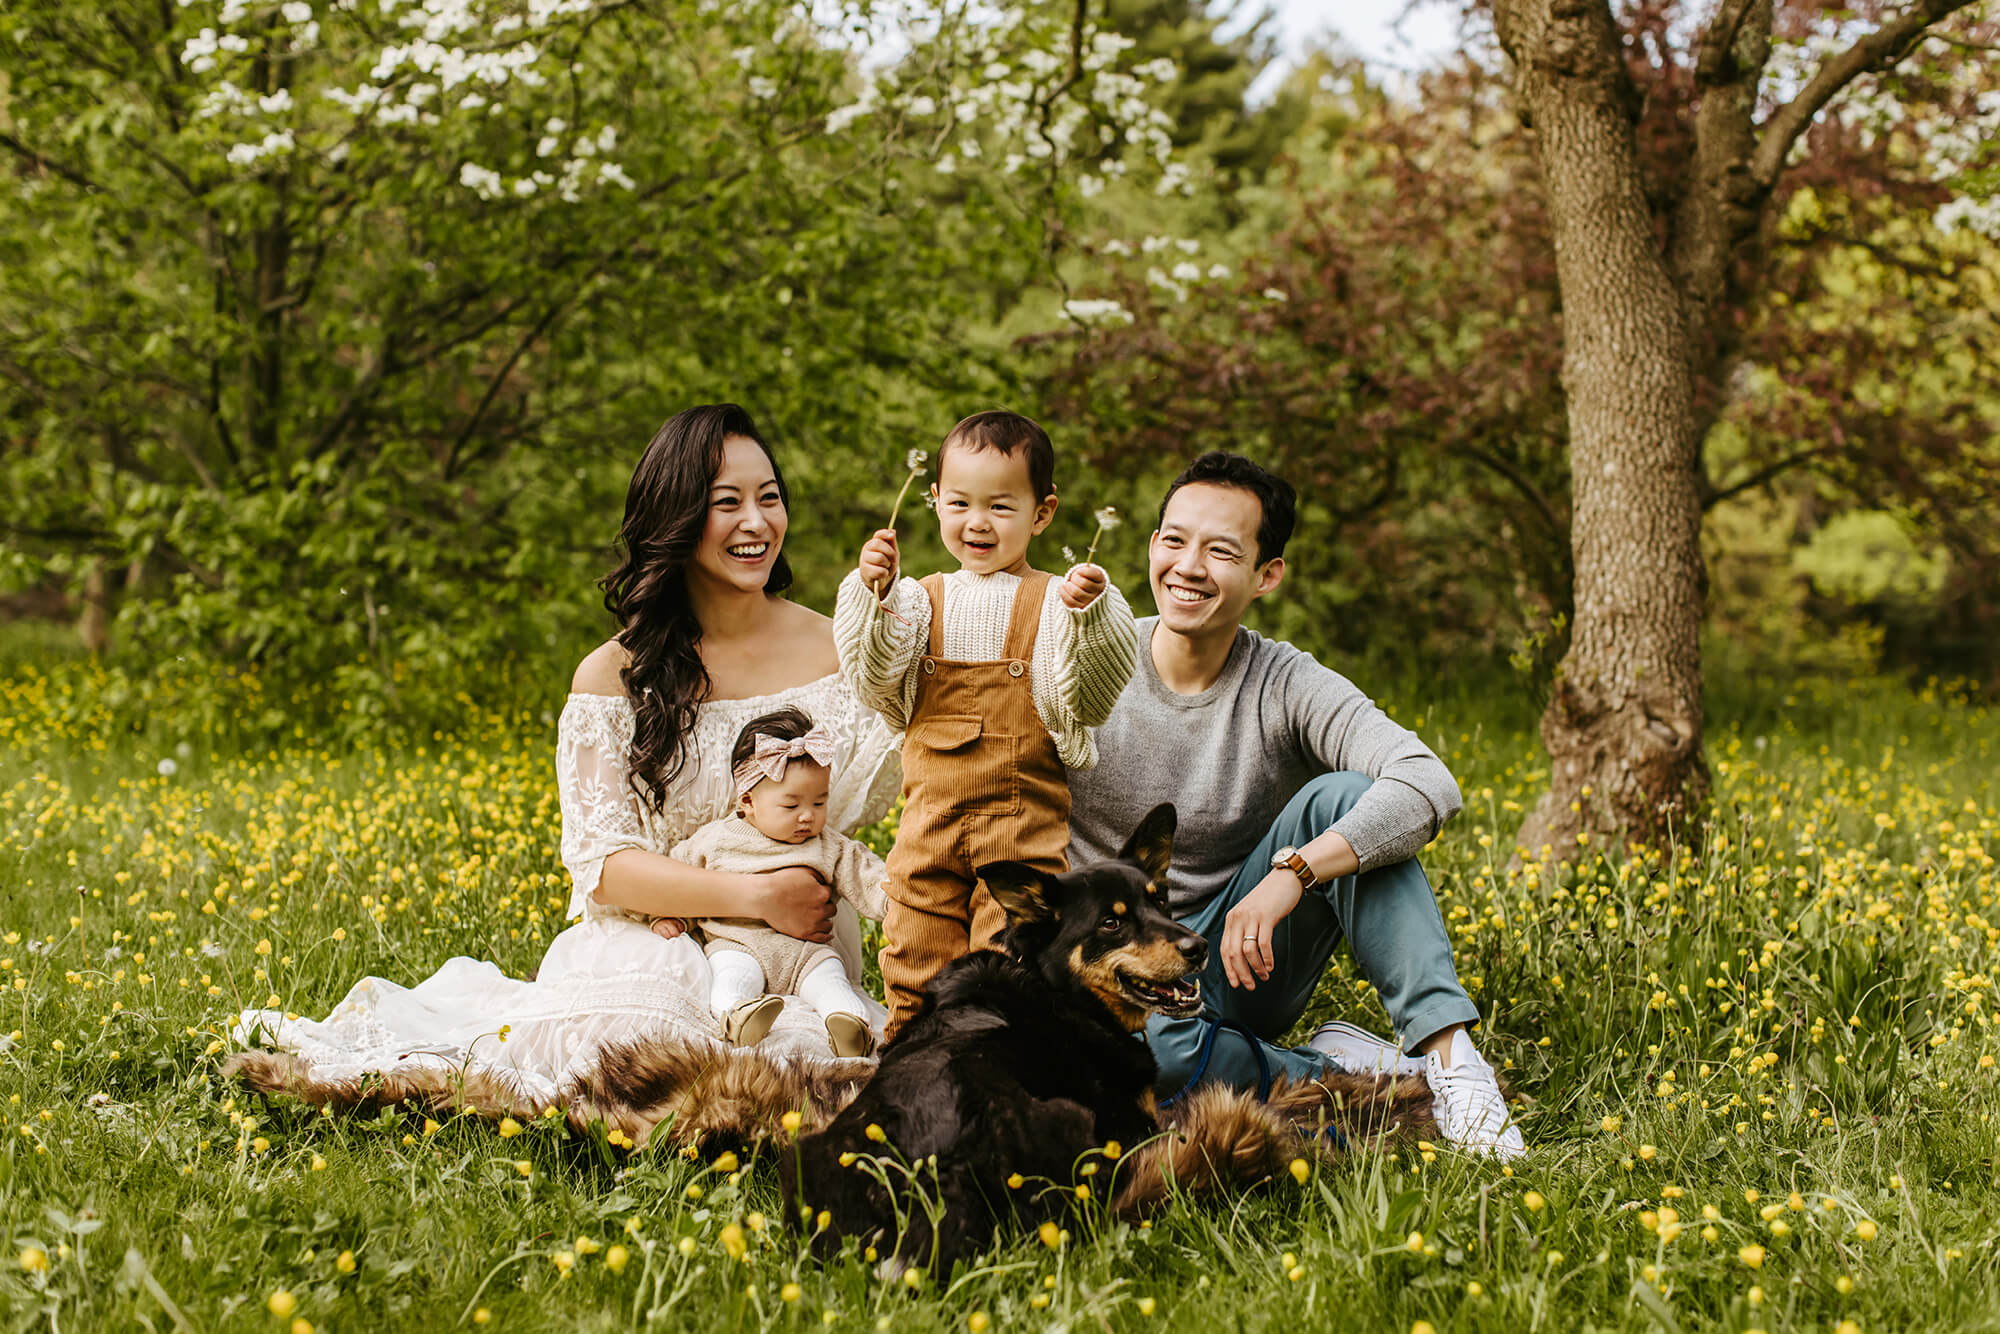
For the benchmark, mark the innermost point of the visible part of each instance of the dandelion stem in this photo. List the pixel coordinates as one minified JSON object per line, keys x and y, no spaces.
{"x":1107,"y":519}
{"x":915,"y":463}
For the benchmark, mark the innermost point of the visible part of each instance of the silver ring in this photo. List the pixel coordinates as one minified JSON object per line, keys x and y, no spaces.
{"x":1252,"y":937}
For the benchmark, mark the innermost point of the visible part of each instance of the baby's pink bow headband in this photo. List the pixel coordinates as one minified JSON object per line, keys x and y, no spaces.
{"x":774,"y":753}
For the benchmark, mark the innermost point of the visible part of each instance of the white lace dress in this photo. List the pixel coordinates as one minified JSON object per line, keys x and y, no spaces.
{"x":607,"y":978}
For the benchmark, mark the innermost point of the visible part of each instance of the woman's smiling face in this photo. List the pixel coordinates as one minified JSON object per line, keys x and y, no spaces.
{"x":746,"y":520}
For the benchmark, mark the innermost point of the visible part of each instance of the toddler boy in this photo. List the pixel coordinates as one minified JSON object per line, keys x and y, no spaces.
{"x":995,"y":672}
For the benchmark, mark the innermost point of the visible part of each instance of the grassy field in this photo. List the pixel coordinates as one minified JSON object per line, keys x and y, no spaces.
{"x":1763,"y":1077}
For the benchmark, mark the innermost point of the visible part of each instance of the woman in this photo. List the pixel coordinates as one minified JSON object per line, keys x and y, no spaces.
{"x":708,"y":642}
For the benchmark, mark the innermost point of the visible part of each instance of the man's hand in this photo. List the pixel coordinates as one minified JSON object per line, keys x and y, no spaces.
{"x":1083,"y":586}
{"x":880,"y":561}
{"x":1247,"y":930}
{"x":798,"y":903}
{"x":669,"y":928}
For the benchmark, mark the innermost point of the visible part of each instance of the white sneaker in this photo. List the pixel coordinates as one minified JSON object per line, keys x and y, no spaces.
{"x":1358,"y":1052}
{"x":1469,"y":1109}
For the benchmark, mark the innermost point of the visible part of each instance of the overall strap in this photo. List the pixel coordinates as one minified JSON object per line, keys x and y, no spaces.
{"x":933,"y":585}
{"x":1026,"y":618}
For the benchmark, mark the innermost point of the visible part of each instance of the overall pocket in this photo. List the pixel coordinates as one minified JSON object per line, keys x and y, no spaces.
{"x":966,"y":769}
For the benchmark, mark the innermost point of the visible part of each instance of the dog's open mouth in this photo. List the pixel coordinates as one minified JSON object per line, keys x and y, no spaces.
{"x":1179,"y":998}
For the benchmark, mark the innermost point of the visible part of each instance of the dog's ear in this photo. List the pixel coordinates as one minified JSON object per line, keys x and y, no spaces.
{"x":1026,"y":894}
{"x":1152,"y":843}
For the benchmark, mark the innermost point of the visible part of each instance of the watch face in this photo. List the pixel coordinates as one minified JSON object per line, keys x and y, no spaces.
{"x":1283,"y":855}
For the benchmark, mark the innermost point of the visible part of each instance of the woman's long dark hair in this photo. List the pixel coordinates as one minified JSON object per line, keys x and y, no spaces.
{"x":666,"y":510}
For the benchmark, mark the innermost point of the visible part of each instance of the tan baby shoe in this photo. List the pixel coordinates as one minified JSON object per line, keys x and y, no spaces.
{"x":849,"y":1036}
{"x":749,"y":1022}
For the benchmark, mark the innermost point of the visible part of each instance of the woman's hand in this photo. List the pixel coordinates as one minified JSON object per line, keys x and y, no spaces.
{"x":1083,"y":586}
{"x":880,"y":561}
{"x":1247,"y":930}
{"x":798,"y":903}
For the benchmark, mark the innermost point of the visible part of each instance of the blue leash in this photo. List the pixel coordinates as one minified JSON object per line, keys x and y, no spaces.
{"x":1215,"y":1026}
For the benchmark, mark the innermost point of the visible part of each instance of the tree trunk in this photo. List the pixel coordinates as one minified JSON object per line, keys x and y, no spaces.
{"x":1623,"y":725}
{"x":93,"y":627}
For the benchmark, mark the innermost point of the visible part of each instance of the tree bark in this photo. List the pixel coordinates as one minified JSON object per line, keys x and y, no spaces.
{"x":93,"y":627}
{"x":1623,"y":724}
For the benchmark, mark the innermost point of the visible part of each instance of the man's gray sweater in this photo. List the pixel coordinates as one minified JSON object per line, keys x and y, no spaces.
{"x":1230,"y":758}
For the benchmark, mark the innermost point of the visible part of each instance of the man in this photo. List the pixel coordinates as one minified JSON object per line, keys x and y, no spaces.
{"x":1302,"y":808}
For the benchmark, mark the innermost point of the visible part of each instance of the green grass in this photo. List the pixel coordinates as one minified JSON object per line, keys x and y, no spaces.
{"x":1835,"y":940}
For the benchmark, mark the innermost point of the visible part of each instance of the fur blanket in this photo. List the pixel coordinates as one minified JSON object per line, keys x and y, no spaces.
{"x":717,"y":1099}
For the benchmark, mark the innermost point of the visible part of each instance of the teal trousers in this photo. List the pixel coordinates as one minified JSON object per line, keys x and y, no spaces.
{"x":1389,"y":917}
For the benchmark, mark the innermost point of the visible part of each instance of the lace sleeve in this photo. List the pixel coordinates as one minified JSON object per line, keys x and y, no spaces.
{"x":868,"y":770}
{"x":600,"y":812}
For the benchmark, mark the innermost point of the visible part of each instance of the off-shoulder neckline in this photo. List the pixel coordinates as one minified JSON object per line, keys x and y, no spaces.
{"x":736,"y":699}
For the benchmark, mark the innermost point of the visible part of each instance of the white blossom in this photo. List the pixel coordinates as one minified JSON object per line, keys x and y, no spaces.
{"x":244,"y":155}
{"x":840,"y":118}
{"x":762,"y":87}
{"x":296,"y":11}
{"x":482,"y":181}
{"x":1975,"y":215}
{"x":1096,"y":312}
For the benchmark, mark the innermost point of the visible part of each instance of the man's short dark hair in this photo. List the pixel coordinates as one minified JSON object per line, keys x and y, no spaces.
{"x":1009,"y":433}
{"x":1274,"y":495}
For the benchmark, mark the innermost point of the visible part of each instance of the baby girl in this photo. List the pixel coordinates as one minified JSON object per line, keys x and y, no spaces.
{"x":780,"y":764}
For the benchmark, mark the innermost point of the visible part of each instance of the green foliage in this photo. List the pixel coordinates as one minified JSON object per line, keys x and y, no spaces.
{"x":330,"y":342}
{"x":1206,"y":101}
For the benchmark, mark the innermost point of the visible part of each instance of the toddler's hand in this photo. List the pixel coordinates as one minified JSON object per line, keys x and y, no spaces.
{"x":669,"y":928}
{"x":1083,"y":586}
{"x":879,"y":562}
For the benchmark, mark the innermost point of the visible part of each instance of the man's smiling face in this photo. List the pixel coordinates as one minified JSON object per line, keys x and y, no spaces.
{"x":1202,"y":562}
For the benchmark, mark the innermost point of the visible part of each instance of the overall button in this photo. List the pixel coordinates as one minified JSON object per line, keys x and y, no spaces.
{"x":930,"y":667}
{"x":1015,"y":669}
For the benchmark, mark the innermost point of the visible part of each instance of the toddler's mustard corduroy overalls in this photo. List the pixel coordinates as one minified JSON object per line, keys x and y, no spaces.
{"x":983,"y":783}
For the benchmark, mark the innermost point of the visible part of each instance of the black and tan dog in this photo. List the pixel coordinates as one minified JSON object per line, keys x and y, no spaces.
{"x":1021,"y":1059}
